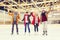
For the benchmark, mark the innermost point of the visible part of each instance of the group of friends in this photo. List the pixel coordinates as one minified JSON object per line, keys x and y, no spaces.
{"x":36,"y":20}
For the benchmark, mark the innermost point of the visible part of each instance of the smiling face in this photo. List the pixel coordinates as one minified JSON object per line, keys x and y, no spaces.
{"x":43,"y":11}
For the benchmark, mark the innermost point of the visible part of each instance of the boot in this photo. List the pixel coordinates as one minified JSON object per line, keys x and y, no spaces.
{"x":43,"y":32}
{"x":46,"y":32}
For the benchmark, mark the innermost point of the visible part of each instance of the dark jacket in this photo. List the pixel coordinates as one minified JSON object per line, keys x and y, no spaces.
{"x":27,"y":18}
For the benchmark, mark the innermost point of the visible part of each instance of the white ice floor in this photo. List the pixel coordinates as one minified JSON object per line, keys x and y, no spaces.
{"x":53,"y":33}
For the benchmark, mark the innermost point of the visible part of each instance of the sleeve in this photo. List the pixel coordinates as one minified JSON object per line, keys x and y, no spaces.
{"x":18,"y":16}
{"x":46,"y":14}
{"x":23,"y":18}
{"x":38,"y":19}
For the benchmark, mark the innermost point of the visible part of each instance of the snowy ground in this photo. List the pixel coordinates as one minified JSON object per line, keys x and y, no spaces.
{"x":53,"y":33}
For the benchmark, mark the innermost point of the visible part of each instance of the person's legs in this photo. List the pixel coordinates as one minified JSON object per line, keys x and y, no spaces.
{"x":17,"y":28}
{"x":25,"y":28}
{"x":35,"y":28}
{"x":12,"y":28}
{"x":28,"y":27}
{"x":45,"y":27}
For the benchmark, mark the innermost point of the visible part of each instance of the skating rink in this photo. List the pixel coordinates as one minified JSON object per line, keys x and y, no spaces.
{"x":53,"y":33}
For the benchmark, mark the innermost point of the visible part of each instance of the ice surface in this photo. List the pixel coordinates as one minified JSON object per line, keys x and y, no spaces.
{"x":53,"y":33}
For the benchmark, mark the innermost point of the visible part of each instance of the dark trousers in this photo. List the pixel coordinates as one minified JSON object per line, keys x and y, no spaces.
{"x":27,"y":25}
{"x":13,"y":27}
{"x":36,"y":27}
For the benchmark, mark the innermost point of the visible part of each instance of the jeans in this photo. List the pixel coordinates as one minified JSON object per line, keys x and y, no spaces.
{"x":36,"y":27}
{"x":14,"y":22}
{"x":27,"y":25}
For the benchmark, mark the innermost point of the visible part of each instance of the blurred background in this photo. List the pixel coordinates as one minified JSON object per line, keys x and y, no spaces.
{"x":31,"y":6}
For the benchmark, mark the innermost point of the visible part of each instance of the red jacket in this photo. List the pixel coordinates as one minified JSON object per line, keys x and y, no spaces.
{"x":25,"y":18}
{"x":33,"y":21}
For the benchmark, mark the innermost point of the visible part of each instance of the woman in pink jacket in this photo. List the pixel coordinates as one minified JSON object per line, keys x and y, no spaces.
{"x":35,"y":21}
